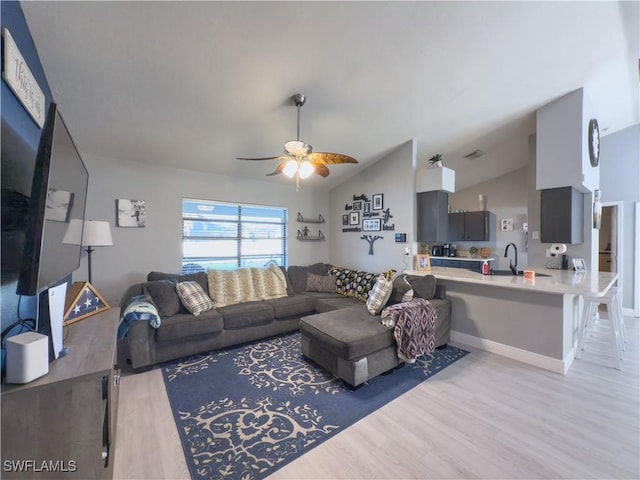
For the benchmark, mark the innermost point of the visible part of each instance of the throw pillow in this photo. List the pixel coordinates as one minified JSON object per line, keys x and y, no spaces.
{"x":164,"y":296}
{"x":402,"y":291}
{"x":193,"y":297}
{"x":379,"y":295}
{"x":424,"y":287}
{"x":320,"y":283}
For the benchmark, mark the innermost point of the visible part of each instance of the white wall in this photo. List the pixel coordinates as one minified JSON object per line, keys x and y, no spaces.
{"x":506,"y":198}
{"x":620,"y":182}
{"x":393,"y":176}
{"x":137,"y":251}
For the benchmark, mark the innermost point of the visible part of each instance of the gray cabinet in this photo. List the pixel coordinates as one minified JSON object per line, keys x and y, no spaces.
{"x":470,"y":226}
{"x":69,"y":415}
{"x":561,"y":215}
{"x":433,"y":224}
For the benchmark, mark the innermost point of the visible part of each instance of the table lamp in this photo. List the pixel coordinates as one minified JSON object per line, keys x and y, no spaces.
{"x":94,"y":234}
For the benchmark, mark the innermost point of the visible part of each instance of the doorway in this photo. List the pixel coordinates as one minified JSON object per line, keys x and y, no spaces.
{"x":608,"y":236}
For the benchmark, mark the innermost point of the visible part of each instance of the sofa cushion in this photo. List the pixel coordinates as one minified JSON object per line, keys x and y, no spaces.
{"x":292,"y":306}
{"x":164,"y":296}
{"x":298,"y":274}
{"x":200,"y":277}
{"x":329,"y":304}
{"x":184,"y":325}
{"x":246,"y":314}
{"x":423,"y":286}
{"x":193,"y":297}
{"x":379,"y":295}
{"x":320,"y":283}
{"x":349,"y":333}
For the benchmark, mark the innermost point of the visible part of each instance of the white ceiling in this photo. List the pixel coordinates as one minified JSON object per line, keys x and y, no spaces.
{"x":195,"y":84}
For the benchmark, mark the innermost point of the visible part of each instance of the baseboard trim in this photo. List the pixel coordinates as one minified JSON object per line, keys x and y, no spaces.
{"x":552,"y":364}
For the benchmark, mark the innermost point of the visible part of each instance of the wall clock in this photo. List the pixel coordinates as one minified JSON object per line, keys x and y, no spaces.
{"x":594,"y":142}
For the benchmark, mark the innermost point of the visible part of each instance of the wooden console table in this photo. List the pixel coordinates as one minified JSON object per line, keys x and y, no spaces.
{"x":63,"y":424}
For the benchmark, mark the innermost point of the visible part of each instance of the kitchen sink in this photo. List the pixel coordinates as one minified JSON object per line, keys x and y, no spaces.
{"x":509,"y":273}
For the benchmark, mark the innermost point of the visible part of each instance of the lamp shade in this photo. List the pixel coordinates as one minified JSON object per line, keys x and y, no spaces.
{"x":94,"y":234}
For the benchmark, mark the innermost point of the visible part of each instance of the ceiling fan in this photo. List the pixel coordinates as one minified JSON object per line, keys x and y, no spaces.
{"x":299,"y":160}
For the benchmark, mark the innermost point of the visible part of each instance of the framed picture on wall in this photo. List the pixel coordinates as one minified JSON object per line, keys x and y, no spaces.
{"x":354,"y":218}
{"x":371,"y":225}
{"x":377,"y":201}
{"x":345,"y":219}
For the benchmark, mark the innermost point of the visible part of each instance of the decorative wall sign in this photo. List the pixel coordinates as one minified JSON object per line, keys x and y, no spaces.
{"x":377,"y":201}
{"x":131,"y":213}
{"x":352,"y":229}
{"x":370,"y":239}
{"x":21,"y":81}
{"x":362,"y":197}
{"x":371,"y":224}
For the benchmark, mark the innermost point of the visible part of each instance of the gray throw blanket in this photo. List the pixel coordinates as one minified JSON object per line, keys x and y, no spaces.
{"x":414,"y":325}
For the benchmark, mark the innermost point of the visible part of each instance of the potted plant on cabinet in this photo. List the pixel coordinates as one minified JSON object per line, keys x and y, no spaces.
{"x":473,"y":251}
{"x":436,"y":160}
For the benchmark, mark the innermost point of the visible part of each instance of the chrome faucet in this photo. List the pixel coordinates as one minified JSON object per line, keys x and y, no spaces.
{"x":512,"y":266}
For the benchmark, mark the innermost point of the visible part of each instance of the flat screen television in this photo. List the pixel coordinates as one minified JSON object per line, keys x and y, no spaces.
{"x":58,"y":194}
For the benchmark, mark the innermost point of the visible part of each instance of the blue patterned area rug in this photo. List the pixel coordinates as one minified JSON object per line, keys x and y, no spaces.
{"x":247,"y":411}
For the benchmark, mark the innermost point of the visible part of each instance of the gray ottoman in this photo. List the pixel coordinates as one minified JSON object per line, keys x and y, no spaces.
{"x":350,"y":343}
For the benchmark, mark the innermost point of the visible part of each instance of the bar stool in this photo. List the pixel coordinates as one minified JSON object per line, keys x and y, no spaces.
{"x":588,"y":313}
{"x":617,"y":293}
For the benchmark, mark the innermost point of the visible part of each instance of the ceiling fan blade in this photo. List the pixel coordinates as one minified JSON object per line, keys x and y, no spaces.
{"x":279,"y":157}
{"x":278,"y":169}
{"x":320,"y":169}
{"x":330,"y":158}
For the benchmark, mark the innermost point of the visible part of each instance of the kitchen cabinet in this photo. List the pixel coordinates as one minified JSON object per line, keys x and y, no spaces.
{"x":433,"y":224}
{"x":470,"y":226}
{"x":561,"y":215}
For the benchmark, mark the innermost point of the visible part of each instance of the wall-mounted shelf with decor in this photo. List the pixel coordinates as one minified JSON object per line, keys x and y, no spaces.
{"x":301,"y":219}
{"x":305,"y":237}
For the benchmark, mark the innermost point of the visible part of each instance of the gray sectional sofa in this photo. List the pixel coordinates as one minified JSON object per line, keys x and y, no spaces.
{"x":181,"y":333}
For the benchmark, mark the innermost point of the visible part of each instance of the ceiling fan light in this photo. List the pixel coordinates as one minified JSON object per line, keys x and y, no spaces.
{"x":290,"y":168}
{"x":306,"y":169}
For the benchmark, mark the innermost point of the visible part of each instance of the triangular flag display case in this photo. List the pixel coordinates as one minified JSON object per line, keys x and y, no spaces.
{"x":82,"y":301}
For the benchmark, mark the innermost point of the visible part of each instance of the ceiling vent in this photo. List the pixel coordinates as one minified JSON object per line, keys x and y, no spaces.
{"x":475,"y":154}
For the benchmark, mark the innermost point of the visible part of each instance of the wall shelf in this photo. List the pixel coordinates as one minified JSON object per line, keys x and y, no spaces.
{"x":301,"y":219}
{"x":310,"y":238}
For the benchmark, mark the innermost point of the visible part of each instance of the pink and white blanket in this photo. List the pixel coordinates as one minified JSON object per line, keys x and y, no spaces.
{"x":414,"y":325}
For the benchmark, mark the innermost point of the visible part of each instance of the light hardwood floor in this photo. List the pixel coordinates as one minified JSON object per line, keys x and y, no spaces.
{"x":484,"y":417}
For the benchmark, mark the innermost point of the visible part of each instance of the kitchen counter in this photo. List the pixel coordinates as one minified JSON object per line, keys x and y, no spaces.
{"x":533,"y":321}
{"x":559,"y":281}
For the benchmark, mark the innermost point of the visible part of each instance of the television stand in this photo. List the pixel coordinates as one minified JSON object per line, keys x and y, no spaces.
{"x":63,"y":424}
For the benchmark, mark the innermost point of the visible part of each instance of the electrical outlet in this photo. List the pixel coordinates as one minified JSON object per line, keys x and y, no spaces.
{"x":407,"y":251}
{"x":534,"y":235}
{"x":548,"y":252}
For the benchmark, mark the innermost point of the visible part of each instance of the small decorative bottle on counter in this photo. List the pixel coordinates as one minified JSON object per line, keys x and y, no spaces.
{"x":485,"y":268}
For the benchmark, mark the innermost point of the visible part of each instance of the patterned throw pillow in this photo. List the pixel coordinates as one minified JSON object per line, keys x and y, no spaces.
{"x":193,"y":297}
{"x":320,"y":283}
{"x":379,"y":295}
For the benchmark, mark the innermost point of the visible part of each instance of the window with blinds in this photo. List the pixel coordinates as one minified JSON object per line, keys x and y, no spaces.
{"x":227,"y":236}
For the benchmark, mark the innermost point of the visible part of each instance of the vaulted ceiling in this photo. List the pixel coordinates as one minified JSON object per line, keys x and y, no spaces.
{"x":196,"y":84}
